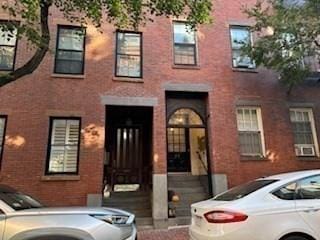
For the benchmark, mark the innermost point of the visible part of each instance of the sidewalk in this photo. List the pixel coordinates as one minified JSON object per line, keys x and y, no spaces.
{"x":171,"y":234}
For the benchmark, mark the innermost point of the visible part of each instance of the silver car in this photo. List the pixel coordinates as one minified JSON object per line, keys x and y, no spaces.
{"x":23,"y":218}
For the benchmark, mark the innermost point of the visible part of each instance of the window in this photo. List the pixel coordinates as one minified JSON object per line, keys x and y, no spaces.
{"x":250,"y":131}
{"x":19,"y":201}
{"x":8,"y":44}
{"x":3,"y":121}
{"x":70,"y":50}
{"x":129,"y":55}
{"x":177,"y":140}
{"x":287,"y":192}
{"x":185,"y":117}
{"x":185,"y":49}
{"x":64,"y":146}
{"x":305,"y":138}
{"x":243,"y":190}
{"x":240,"y":37}
{"x":309,"y":188}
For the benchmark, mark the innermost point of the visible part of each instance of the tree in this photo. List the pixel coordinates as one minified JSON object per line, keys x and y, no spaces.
{"x":34,"y":16}
{"x":287,"y":33}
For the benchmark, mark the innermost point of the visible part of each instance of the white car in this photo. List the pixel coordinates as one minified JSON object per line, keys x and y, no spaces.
{"x":23,"y":218}
{"x":280,"y":207}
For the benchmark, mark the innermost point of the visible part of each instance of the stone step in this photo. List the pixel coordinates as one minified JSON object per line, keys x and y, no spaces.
{"x":189,"y":197}
{"x":130,"y":194}
{"x":183,"y":212}
{"x":182,"y":178}
{"x":129,"y":207}
{"x":140,"y":213}
{"x":188,"y":190}
{"x":184,"y":184}
{"x":127,"y":200}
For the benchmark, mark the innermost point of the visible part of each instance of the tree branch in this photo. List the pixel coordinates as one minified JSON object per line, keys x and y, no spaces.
{"x":38,"y":56}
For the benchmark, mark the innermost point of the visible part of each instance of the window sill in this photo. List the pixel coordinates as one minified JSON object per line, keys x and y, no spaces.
{"x":74,"y":76}
{"x":58,"y":178}
{"x":247,"y":70}
{"x":186,"y":67}
{"x":253,"y":158}
{"x":311,"y":159}
{"x":128,"y":79}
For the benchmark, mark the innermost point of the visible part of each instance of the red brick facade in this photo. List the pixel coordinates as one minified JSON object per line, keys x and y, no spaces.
{"x":29,"y":102}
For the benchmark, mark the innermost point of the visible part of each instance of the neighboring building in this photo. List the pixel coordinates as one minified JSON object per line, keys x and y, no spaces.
{"x":146,"y":111}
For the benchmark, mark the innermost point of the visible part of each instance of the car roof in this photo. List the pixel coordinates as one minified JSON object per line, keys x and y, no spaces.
{"x":293,"y":175}
{"x":6,"y":189}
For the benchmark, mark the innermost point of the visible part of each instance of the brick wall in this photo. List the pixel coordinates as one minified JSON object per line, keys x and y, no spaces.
{"x":30,"y":101}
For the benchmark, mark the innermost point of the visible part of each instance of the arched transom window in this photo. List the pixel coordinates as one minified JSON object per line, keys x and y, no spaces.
{"x":185,"y":117}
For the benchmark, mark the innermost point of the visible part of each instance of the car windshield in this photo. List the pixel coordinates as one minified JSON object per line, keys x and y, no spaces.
{"x":243,"y":190}
{"x":19,"y":201}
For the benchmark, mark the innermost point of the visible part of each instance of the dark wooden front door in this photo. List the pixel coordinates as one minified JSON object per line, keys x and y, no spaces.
{"x":178,"y":150}
{"x":126,"y":156}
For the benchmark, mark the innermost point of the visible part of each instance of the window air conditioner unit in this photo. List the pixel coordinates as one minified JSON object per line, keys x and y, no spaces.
{"x":305,"y":150}
{"x":244,"y":62}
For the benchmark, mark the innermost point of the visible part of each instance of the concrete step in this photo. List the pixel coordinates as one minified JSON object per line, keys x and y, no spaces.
{"x":184,"y":184}
{"x":126,"y":200}
{"x":189,"y":197}
{"x":138,"y":203}
{"x":140,"y":213}
{"x":182,"y":178}
{"x":129,"y":207}
{"x":183,"y":190}
{"x":180,"y":212}
{"x":130,"y":194}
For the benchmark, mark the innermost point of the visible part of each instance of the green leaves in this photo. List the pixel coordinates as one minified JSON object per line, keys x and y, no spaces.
{"x":34,"y":16}
{"x":295,"y":30}
{"x":129,"y":14}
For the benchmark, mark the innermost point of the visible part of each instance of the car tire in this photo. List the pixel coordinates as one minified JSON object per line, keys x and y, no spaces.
{"x":295,"y":238}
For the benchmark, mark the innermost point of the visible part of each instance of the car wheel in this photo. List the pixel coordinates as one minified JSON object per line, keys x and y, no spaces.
{"x":295,"y":238}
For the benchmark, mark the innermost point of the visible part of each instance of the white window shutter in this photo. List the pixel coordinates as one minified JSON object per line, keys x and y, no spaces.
{"x":64,"y":146}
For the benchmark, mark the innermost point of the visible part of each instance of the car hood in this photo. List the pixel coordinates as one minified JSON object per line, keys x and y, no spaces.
{"x":72,"y":210}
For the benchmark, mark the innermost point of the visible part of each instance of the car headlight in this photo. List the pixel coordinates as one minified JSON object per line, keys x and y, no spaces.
{"x":113,"y":219}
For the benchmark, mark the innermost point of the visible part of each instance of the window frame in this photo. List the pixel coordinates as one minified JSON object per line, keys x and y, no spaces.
{"x":313,"y":129}
{"x":260,"y":128}
{"x":51,"y":123}
{"x":195,"y":45}
{"x":231,"y":26}
{"x":5,"y":117}
{"x":117,"y":54}
{"x":6,"y":22}
{"x":59,"y":27}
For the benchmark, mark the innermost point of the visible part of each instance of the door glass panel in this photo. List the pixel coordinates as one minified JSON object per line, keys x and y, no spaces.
{"x":198,"y":151}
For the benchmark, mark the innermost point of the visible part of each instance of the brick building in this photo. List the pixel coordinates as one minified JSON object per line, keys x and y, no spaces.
{"x":151,"y":111}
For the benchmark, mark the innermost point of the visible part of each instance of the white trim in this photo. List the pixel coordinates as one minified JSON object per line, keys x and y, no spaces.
{"x":260,"y":128}
{"x":313,"y":127}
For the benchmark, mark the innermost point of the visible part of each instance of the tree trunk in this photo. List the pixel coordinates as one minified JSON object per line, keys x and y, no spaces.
{"x":38,"y":56}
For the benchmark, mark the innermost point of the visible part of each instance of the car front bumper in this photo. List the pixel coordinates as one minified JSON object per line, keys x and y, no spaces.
{"x":134,"y":235}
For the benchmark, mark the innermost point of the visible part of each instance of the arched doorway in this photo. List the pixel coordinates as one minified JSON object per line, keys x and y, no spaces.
{"x":186,"y":143}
